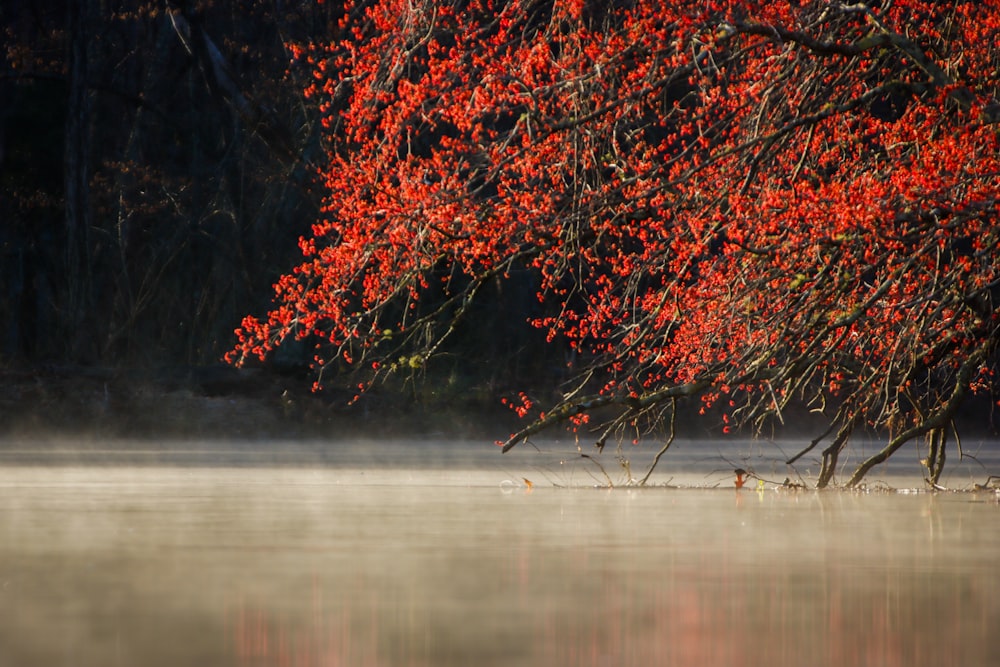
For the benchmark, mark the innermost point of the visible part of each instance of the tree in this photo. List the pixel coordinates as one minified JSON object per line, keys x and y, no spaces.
{"x":748,"y":204}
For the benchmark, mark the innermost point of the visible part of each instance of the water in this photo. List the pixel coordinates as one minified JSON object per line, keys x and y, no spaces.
{"x":209,"y":555}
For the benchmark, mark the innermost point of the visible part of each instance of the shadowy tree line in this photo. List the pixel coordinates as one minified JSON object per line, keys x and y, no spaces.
{"x":154,"y":173}
{"x":157,"y":169}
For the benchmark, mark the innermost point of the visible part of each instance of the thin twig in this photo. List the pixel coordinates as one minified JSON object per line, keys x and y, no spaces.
{"x":666,"y":445}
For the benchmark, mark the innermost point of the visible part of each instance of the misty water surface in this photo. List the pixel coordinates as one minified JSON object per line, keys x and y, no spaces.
{"x":424,"y":554}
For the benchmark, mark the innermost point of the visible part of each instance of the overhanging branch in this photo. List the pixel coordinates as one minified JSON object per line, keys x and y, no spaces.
{"x":634,"y":404}
{"x":882,"y":38}
{"x":939,"y":419}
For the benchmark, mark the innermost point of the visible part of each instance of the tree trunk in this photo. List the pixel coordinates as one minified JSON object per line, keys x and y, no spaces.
{"x":76,"y":180}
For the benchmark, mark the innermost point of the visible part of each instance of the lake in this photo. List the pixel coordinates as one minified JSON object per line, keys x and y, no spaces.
{"x":418,"y":553}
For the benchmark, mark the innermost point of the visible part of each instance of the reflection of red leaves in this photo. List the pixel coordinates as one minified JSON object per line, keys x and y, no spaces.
{"x":741,"y":478}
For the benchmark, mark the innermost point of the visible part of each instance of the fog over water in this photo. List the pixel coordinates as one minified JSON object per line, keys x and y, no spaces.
{"x":439,"y":554}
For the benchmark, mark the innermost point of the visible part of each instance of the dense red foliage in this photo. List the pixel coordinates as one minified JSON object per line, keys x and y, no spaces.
{"x":755,"y":202}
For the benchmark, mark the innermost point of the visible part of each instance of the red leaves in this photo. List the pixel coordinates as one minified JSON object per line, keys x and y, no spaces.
{"x":522,"y":406}
{"x":700,"y":199}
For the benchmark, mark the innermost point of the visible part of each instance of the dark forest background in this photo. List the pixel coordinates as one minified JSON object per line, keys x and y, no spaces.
{"x":157,"y":166}
{"x":150,"y":198}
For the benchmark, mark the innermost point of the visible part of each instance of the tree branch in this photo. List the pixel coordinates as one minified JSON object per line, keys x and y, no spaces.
{"x":884,"y":37}
{"x":222,"y":82}
{"x":634,"y":404}
{"x":939,"y":419}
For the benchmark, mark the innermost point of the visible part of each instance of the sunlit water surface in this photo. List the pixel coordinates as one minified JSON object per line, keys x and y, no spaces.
{"x":160,"y":557}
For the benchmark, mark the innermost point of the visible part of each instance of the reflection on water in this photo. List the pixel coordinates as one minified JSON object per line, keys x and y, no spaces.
{"x":309,"y":567}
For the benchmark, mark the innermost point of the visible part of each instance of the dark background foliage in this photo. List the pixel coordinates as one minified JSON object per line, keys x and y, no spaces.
{"x":145,"y":209}
{"x":156,"y":173}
